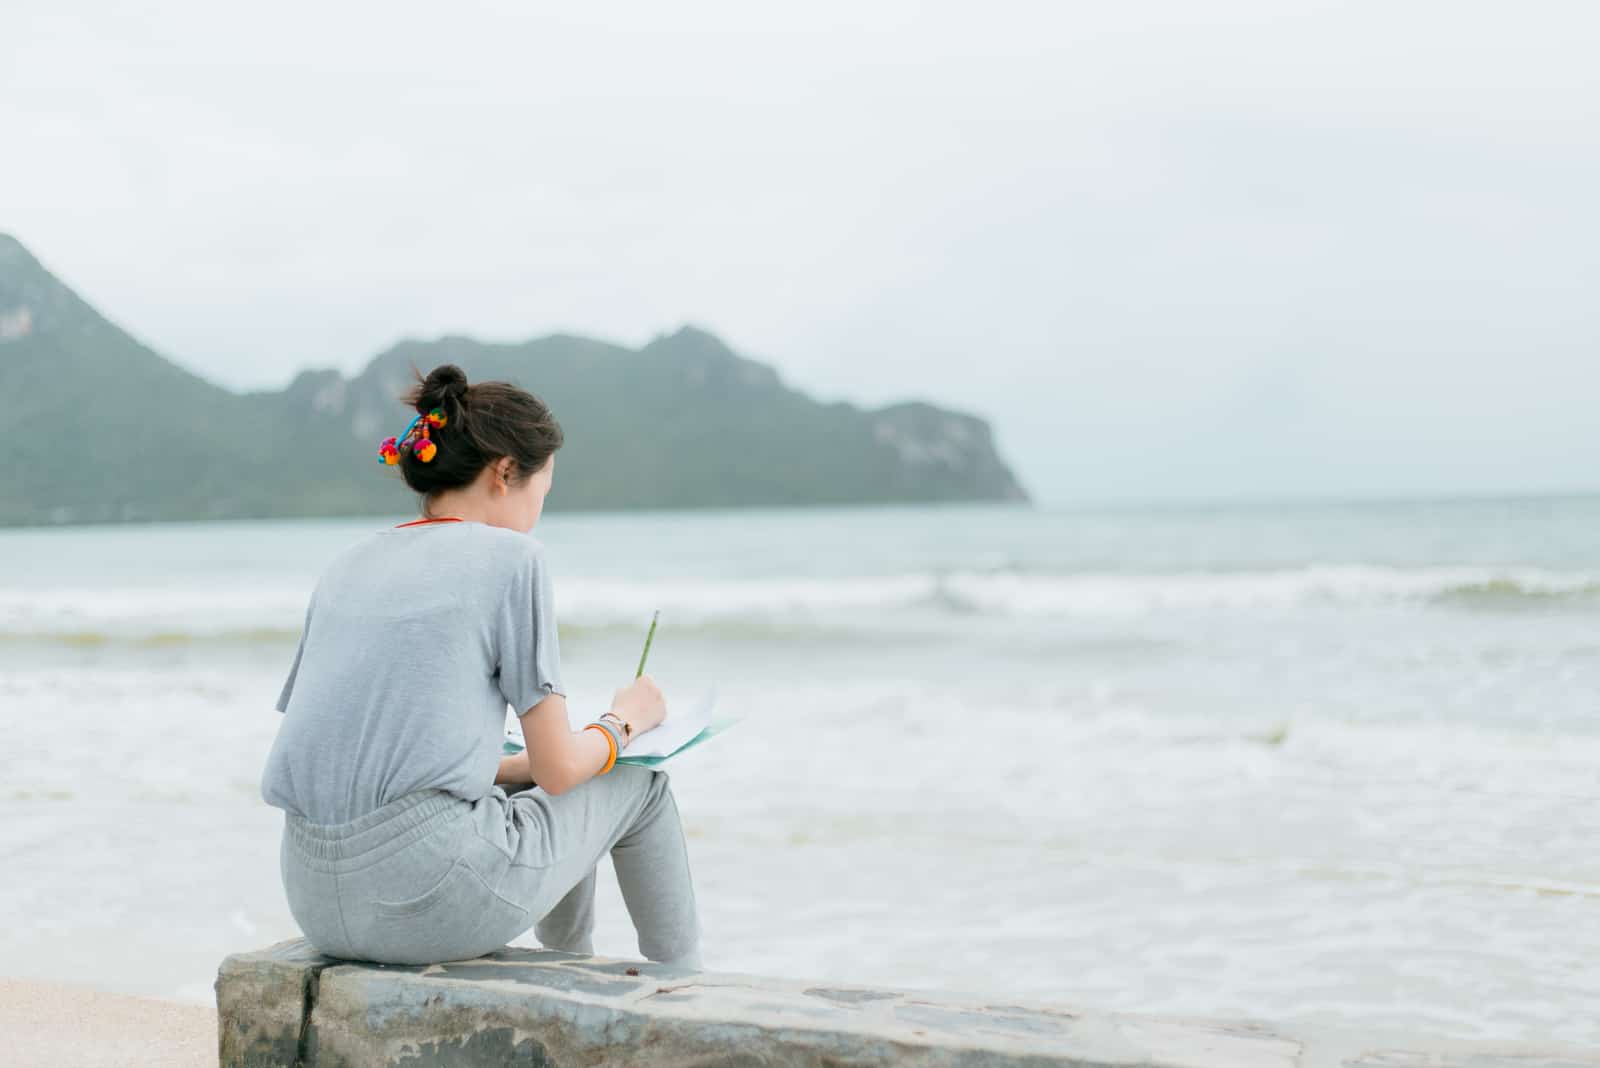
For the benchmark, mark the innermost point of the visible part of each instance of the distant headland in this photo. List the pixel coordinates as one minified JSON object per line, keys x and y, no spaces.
{"x":101,"y":428}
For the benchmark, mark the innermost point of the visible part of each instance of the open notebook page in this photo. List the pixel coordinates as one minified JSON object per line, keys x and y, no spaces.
{"x":682,"y":724}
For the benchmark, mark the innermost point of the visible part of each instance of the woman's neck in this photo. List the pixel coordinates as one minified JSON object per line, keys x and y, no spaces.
{"x":441,"y":507}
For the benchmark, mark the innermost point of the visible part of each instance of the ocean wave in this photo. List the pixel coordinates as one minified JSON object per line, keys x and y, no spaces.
{"x":154,"y":639}
{"x":1023,"y":595}
{"x":780,"y":609}
{"x":129,"y":635}
{"x":1134,"y":594}
{"x":1511,"y":592}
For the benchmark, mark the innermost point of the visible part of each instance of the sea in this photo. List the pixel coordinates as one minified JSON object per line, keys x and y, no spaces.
{"x":1328,"y":763}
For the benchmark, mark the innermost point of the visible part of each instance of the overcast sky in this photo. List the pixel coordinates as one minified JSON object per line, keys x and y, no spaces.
{"x":1169,"y":250}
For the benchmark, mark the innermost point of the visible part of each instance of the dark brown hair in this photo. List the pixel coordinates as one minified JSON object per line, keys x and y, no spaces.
{"x":483,"y":421}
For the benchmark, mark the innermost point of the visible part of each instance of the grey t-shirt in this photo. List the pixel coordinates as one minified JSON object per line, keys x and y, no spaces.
{"x":415,"y":640}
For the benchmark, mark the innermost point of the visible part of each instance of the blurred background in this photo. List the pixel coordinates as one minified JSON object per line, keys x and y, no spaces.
{"x":1130,"y":467}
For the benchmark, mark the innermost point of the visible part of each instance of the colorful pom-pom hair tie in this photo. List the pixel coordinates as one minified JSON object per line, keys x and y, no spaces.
{"x":422,"y":447}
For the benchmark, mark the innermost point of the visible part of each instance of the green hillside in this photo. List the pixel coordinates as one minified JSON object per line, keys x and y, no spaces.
{"x":103,"y":428}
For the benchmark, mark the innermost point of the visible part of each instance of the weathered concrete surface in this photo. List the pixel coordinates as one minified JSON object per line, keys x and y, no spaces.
{"x":264,"y":1001}
{"x":288,"y":1006}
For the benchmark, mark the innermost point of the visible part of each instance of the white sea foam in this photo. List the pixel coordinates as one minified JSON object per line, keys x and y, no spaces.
{"x":274,"y":611}
{"x":1043,"y":595}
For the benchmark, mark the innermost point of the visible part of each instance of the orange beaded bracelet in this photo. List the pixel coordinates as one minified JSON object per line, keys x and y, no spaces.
{"x":611,"y":746}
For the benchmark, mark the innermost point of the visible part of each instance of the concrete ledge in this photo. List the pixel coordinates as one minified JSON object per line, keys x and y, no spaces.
{"x":288,"y":1006}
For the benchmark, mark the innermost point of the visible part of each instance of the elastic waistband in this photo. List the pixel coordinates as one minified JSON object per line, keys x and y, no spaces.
{"x":380,"y":832}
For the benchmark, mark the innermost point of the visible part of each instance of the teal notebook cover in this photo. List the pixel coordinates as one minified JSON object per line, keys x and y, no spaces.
{"x":714,"y":728}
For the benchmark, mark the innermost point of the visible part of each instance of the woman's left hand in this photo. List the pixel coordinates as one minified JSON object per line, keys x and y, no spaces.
{"x":514,"y":770}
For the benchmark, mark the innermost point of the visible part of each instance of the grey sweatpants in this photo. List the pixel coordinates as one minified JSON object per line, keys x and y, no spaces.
{"x":432,"y":877}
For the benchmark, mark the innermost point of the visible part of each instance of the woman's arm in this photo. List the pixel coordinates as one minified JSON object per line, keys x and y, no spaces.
{"x":557,"y":757}
{"x":514,"y":769}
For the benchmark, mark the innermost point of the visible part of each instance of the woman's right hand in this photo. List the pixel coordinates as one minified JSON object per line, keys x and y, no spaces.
{"x":641,"y":704}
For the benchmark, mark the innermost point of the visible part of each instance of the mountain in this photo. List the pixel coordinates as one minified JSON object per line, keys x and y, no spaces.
{"x":102,"y":428}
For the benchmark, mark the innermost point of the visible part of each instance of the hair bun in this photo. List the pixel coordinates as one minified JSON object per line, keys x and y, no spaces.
{"x":447,"y":382}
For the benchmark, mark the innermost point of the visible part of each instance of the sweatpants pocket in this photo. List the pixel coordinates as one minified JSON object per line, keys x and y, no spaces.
{"x":458,"y":918}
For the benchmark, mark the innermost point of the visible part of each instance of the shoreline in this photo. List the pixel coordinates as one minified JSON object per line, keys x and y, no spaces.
{"x":47,"y":1022}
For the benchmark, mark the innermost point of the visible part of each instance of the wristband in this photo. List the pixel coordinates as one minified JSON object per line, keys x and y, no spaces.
{"x":624,"y":728}
{"x":616,"y":735}
{"x":611,"y":745}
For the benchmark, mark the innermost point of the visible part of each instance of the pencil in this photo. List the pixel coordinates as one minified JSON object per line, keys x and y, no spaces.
{"x":647,"y":639}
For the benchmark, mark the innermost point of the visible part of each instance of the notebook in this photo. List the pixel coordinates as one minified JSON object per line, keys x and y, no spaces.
{"x":682,"y":730}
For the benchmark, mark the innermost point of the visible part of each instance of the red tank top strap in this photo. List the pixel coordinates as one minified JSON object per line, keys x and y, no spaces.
{"x":441,"y":519}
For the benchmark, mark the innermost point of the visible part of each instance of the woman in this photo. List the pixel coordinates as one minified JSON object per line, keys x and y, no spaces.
{"x":400,"y":844}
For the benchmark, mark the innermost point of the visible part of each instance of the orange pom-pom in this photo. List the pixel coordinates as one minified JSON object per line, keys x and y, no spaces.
{"x":424,"y":449}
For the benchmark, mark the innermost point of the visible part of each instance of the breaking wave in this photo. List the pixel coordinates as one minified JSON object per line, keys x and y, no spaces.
{"x":781,"y":608}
